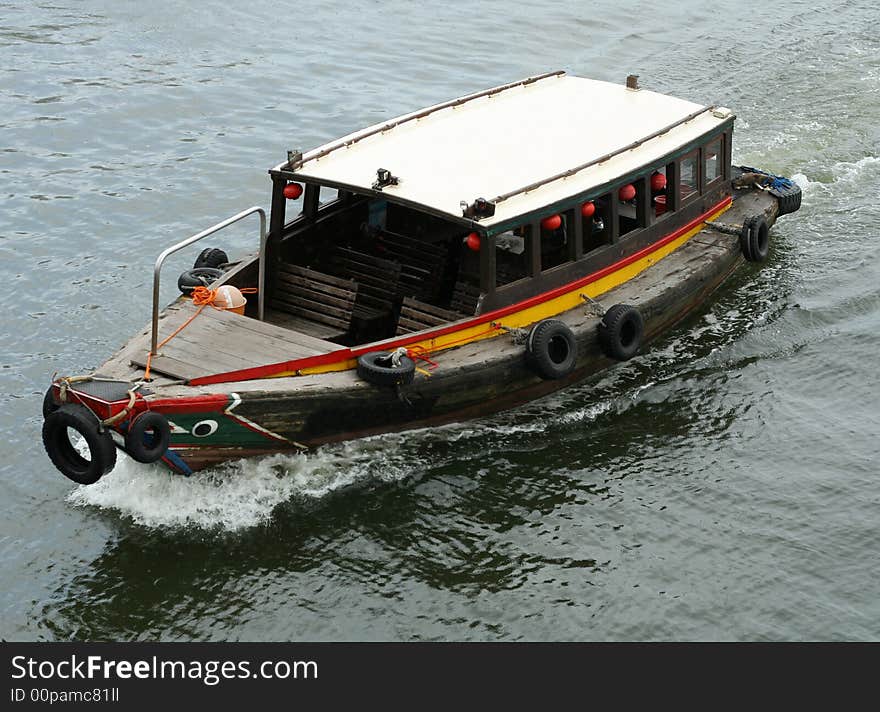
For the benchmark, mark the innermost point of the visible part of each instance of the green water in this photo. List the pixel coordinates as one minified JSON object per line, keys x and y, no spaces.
{"x":723,"y":485}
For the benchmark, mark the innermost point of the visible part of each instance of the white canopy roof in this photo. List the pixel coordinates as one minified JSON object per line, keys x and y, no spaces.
{"x":484,"y":146}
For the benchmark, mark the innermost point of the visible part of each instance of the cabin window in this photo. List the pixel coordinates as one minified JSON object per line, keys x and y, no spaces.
{"x":512,"y":255}
{"x":712,"y":160}
{"x":597,"y":227}
{"x":630,"y":201}
{"x":557,"y":242}
{"x":661,"y":183}
{"x":690,"y":178}
{"x":328,"y":195}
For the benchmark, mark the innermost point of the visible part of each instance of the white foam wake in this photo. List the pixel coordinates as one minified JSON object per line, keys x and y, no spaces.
{"x":244,"y":494}
{"x":237,"y":495}
{"x":848,"y":172}
{"x":801,"y":180}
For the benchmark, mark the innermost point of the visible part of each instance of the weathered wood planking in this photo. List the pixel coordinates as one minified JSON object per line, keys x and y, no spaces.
{"x":312,"y":302}
{"x":416,"y":315}
{"x":218,"y":341}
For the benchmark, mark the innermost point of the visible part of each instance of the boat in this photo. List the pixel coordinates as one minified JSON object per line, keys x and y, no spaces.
{"x":444,"y":265}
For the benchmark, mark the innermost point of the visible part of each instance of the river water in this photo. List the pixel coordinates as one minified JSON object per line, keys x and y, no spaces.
{"x":723,"y":486}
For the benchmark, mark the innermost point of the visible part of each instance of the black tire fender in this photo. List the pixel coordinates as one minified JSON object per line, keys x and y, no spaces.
{"x":50,"y":405}
{"x":784,"y":204}
{"x":551,"y":349}
{"x":745,"y":239}
{"x":148,"y":437}
{"x":377,"y":368}
{"x":789,"y":199}
{"x":197,"y":277}
{"x":759,"y":239}
{"x":63,"y":454}
{"x":211,"y":257}
{"x":621,"y":331}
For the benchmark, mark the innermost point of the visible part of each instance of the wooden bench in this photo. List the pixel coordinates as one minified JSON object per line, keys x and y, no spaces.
{"x":507,"y":271}
{"x":465,"y":297}
{"x":423,"y":263}
{"x":377,"y":280}
{"x":312,"y":302}
{"x":416,"y":315}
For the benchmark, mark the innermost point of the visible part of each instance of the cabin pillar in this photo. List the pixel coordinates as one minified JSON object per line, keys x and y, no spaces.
{"x":644,"y":205}
{"x":673,"y":187}
{"x":279,"y":202}
{"x":310,"y":200}
{"x":533,"y":245}
{"x":276,"y":228}
{"x":726,"y":142}
{"x":487,"y":264}
{"x":576,"y":250}
{"x":614,"y":216}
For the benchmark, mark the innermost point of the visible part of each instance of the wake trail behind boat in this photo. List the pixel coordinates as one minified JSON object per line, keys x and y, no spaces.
{"x":237,"y":496}
{"x":245,"y":494}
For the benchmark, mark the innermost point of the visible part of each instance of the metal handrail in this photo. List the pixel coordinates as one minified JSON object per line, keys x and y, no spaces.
{"x":195,"y":238}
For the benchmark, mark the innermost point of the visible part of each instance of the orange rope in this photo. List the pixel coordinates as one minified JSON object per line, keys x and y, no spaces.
{"x":421,"y":353}
{"x":201,"y":297}
{"x":417,"y":351}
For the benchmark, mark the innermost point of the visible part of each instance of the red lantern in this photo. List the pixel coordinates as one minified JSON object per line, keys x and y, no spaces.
{"x":588,"y":209}
{"x":473,"y":242}
{"x":658,"y":182}
{"x":627,"y":192}
{"x":551,"y":222}
{"x":292,"y":191}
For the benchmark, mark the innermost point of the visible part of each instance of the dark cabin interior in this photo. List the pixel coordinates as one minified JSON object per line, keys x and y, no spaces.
{"x":367,"y":269}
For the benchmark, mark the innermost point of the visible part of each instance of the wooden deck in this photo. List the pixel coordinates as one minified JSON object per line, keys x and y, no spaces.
{"x":219,"y":341}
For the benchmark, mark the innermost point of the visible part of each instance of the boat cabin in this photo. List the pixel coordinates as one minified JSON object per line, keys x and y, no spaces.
{"x":484,"y":202}
{"x":539,"y":192}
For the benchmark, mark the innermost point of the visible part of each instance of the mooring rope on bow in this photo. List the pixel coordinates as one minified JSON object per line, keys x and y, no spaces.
{"x":201,"y":297}
{"x":65,"y":382}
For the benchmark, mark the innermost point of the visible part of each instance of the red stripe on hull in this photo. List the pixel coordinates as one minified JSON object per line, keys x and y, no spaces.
{"x":213,"y":403}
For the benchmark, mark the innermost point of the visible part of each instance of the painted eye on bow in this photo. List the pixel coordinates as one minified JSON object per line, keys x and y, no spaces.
{"x":204,"y":428}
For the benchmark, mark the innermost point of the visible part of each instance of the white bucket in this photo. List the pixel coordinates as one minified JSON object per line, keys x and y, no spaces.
{"x":229,"y":298}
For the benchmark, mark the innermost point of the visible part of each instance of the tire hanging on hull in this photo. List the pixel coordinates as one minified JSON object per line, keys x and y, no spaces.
{"x":754,"y":238}
{"x":789,"y":198}
{"x":551,"y":350}
{"x":64,"y":454}
{"x":621,"y":331}
{"x":50,"y":405}
{"x":386,"y":368}
{"x":148,"y":437}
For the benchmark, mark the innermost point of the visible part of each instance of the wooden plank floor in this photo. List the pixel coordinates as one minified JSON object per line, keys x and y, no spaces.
{"x":289,"y":321}
{"x":219,"y":341}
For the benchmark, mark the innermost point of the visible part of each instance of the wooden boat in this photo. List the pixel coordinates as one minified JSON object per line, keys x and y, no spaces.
{"x":444,"y":265}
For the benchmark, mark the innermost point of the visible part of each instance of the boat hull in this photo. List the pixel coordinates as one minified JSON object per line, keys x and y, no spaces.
{"x":261,"y":417}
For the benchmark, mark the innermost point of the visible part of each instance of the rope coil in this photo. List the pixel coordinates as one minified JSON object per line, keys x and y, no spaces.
{"x":201,"y":297}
